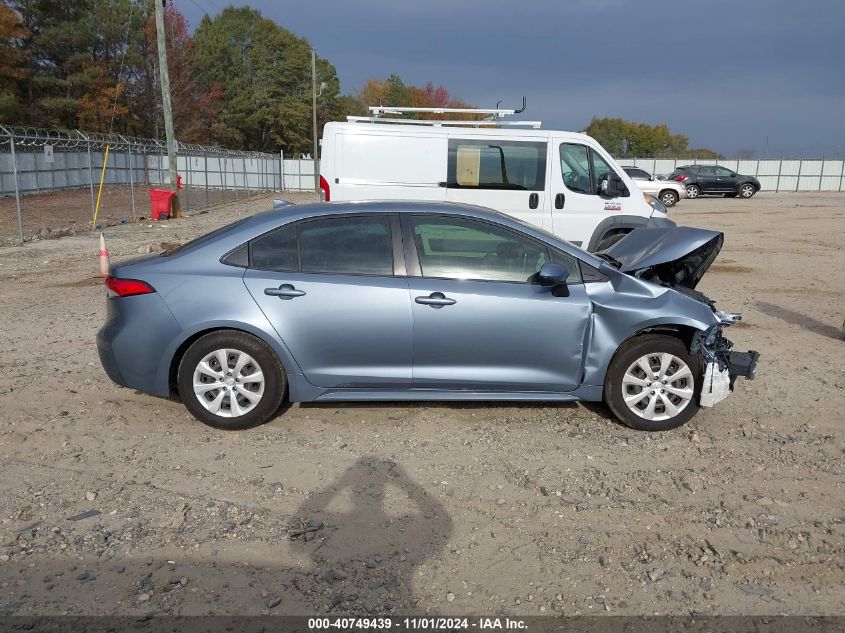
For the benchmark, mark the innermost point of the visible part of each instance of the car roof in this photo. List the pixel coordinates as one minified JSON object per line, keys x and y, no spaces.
{"x":235,"y":234}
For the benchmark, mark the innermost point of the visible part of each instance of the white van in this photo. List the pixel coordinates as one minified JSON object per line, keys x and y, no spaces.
{"x":563,"y":182}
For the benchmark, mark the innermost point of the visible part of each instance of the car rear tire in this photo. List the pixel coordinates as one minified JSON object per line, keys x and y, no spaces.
{"x":663,"y":398}
{"x":746,"y":190}
{"x":693,"y":191}
{"x":231,"y":380}
{"x":669,"y":198}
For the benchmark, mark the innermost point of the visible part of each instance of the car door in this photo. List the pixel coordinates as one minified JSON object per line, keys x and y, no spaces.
{"x":726,"y":180}
{"x":480,"y":322}
{"x":577,"y":207}
{"x":506,"y":175}
{"x":707,"y":179}
{"x":338,"y":298}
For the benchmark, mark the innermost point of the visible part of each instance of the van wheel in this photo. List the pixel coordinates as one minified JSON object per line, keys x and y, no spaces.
{"x":231,"y":380}
{"x":668,"y":198}
{"x":608,"y":241}
{"x":653,"y":383}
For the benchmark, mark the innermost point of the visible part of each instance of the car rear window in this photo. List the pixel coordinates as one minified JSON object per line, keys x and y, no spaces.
{"x":357,"y":245}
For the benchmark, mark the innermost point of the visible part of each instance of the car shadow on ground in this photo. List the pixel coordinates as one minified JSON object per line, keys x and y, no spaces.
{"x":802,"y":320}
{"x":366,"y":534}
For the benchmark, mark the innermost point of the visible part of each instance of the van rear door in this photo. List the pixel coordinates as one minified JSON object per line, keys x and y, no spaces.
{"x":506,"y":175}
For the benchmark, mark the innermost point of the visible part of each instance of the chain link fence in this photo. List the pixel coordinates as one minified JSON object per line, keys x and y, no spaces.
{"x":50,"y":179}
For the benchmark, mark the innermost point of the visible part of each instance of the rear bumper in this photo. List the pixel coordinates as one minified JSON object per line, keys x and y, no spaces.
{"x":134,"y":341}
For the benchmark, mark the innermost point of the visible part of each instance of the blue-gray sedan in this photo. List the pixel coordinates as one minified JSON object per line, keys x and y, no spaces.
{"x":420,"y":301}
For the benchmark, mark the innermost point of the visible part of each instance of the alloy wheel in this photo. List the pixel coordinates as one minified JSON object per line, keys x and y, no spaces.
{"x":746,"y":191}
{"x":692,"y":191}
{"x":657,"y":386}
{"x":228,"y":383}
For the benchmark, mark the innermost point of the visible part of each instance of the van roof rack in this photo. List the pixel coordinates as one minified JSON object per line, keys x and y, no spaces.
{"x":493,"y":116}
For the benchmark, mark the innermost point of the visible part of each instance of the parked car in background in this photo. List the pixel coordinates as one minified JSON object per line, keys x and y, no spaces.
{"x":365,"y":301}
{"x":714,"y":180}
{"x":667,"y":191}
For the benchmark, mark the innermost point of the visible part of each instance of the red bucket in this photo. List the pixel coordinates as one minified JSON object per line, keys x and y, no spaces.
{"x":161,"y":201}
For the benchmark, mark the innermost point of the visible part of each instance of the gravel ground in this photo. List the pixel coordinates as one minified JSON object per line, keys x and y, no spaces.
{"x":115,"y":502}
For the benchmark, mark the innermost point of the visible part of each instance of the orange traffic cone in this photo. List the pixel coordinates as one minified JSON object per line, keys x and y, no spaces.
{"x":103,"y":254}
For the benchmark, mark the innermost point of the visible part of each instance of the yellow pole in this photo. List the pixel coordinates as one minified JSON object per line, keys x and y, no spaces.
{"x":100,"y":190}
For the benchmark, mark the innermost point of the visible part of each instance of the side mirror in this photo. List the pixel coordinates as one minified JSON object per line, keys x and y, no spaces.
{"x":611,"y":186}
{"x":554,"y":276}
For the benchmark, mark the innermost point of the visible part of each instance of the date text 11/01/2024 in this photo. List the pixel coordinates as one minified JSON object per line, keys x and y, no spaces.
{"x":421,"y":623}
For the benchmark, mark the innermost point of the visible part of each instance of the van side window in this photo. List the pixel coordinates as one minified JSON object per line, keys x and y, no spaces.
{"x":495,"y":164}
{"x":582,"y":168}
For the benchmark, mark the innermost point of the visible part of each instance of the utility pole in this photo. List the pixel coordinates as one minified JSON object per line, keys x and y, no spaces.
{"x":314,"y":122}
{"x":164,"y":79}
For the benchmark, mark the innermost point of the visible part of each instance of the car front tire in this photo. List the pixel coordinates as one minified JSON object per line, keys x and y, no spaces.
{"x":746,"y":190}
{"x":231,"y":380}
{"x":693,"y":191}
{"x":653,"y":383}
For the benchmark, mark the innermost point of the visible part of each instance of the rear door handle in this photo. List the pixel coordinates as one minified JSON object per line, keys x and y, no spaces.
{"x":533,"y":201}
{"x":435,"y":299}
{"x":285,"y":291}
{"x":560,"y":199}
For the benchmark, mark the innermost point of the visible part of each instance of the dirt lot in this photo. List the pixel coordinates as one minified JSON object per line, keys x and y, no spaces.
{"x":458,"y":509}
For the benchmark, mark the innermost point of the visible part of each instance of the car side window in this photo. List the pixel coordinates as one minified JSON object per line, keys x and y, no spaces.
{"x":357,"y":245}
{"x":706,"y":171}
{"x":638,"y":174}
{"x":464,"y":248}
{"x":723,"y":172}
{"x":350,"y":245}
{"x":568,"y":262}
{"x":276,"y":250}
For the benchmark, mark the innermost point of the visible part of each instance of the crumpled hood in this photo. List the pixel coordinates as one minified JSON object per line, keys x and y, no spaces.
{"x":676,"y":256}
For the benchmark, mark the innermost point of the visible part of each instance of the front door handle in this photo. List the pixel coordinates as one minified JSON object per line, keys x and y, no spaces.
{"x":435,"y":299}
{"x":533,"y":201}
{"x":285,"y":291}
{"x":560,"y":199}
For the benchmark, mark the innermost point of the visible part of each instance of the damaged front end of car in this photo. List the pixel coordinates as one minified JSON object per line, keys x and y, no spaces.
{"x":722,"y":365}
{"x":677,"y":258}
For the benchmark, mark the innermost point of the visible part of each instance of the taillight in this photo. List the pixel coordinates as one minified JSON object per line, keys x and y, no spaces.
{"x":128,"y":287}
{"x":681,"y":178}
{"x":325,"y":193}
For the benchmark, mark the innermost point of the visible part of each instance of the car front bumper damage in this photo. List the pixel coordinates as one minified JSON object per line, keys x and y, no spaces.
{"x":723,"y":365}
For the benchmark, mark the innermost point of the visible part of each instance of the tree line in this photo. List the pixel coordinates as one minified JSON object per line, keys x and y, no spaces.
{"x":239,"y":80}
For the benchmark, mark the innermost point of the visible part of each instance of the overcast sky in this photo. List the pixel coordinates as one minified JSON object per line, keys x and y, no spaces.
{"x":728,"y":74}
